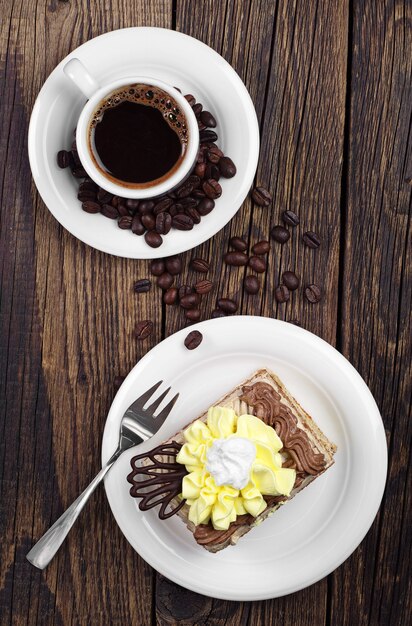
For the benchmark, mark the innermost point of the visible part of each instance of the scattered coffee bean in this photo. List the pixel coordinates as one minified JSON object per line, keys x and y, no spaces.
{"x":181,"y":221}
{"x":85,"y":195}
{"x":162,"y":205}
{"x":143,"y":329}
{"x":200,"y":170}
{"x":76,"y":159}
{"x":185,"y":290}
{"x":163,"y":223}
{"x":238,"y":244}
{"x":91,"y":207}
{"x":184,"y":190}
{"x":290,"y":280}
{"x":280,"y":234}
{"x":261,"y":196}
{"x":217,"y":313}
{"x":282,"y":293}
{"x":165,"y":280}
{"x":207,"y":136}
{"x":251,"y":285}
{"x":64,"y":159}
{"x":313,"y":293}
{"x":212,"y":188}
{"x":193,"y":340}
{"x":238,"y":259}
{"x":227,"y":167}
{"x":122,"y":210}
{"x":194,"y":181}
{"x":261,"y":247}
{"x":89,"y":185}
{"x":214,"y":154}
{"x":137,"y":226}
{"x":104,"y":196}
{"x":190,"y":301}
{"x":193,"y":315}
{"x":148,"y":221}
{"x":203,"y":286}
{"x":199,"y":265}
{"x":118,"y":381}
{"x":312,"y":240}
{"x":173,"y":265}
{"x":157,"y":267}
{"x":205,"y":206}
{"x":212,"y":172}
{"x":142,"y":286}
{"x":131,"y":203}
{"x":153,"y":239}
{"x":257,"y":264}
{"x":109,"y":211}
{"x":146,"y":206}
{"x":125,"y":222}
{"x":208,"y":120}
{"x":197,"y":109}
{"x":170,"y":295}
{"x":289,"y":217}
{"x":193,"y":214}
{"x":191,"y":99}
{"x":79,"y":172}
{"x":227,"y":305}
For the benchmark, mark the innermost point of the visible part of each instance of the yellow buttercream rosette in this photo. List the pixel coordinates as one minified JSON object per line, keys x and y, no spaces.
{"x":222,"y":504}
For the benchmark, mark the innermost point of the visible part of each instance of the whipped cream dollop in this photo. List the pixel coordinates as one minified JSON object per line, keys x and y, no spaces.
{"x":229,"y":461}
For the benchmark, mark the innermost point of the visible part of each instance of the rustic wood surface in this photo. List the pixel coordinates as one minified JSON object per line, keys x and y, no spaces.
{"x":331,"y":82}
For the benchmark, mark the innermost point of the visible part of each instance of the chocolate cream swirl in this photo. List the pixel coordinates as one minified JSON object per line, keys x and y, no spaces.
{"x":266,"y":404}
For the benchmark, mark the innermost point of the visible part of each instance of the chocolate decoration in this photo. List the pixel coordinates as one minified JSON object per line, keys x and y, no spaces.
{"x":268,"y":407}
{"x":163,"y":482}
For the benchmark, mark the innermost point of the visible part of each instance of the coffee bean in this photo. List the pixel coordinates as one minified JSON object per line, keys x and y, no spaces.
{"x":184,"y":190}
{"x":280,"y":234}
{"x":261,"y":196}
{"x":251,"y":285}
{"x":157,"y":267}
{"x":185,"y":290}
{"x":198,"y":194}
{"x":258,"y":264}
{"x":191,"y":99}
{"x":312,"y":240}
{"x":122,"y":209}
{"x":104,"y":196}
{"x":89,"y":185}
{"x":199,"y":265}
{"x":237,"y":258}
{"x":214,"y":155}
{"x":145,"y":206}
{"x":200,"y":170}
{"x":163,"y":223}
{"x":109,"y":211}
{"x":153,"y":239}
{"x":118,"y":381}
{"x":313,"y":293}
{"x":289,"y":217}
{"x":125,"y":222}
{"x":212,"y":172}
{"x":282,"y":293}
{"x":205,"y":206}
{"x":193,"y":340}
{"x":238,"y":244}
{"x":64,"y":159}
{"x":200,"y":125}
{"x":142,"y":286}
{"x":193,"y":315}
{"x":261,"y":247}
{"x":162,"y":205}
{"x":212,"y":188}
{"x":79,"y":172}
{"x":188,"y":202}
{"x":175,"y":210}
{"x":75,"y":158}
{"x":170,"y":295}
{"x":182,"y":222}
{"x":197,"y":108}
{"x":227,"y":305}
{"x":194,"y":214}
{"x":173,"y":265}
{"x":190,"y":301}
{"x":193,"y":180}
{"x":208,"y":120}
{"x":143,"y":329}
{"x":217,"y":313}
{"x":148,"y":221}
{"x":290,"y":280}
{"x":203,"y":286}
{"x":207,"y":135}
{"x":91,"y":207}
{"x":132,"y":204}
{"x":165,"y":280}
{"x":83,"y":196}
{"x":227,"y":167}
{"x":137,"y":226}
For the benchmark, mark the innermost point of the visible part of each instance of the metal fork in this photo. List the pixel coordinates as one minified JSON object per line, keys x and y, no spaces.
{"x":138,"y":424}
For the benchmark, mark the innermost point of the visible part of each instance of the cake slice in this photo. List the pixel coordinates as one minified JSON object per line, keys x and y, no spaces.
{"x":302,"y":448}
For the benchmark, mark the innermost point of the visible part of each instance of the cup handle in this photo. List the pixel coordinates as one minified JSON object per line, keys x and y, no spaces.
{"x":76,"y":71}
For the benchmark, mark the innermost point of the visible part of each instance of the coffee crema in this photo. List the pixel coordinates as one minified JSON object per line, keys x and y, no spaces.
{"x":138,"y":136}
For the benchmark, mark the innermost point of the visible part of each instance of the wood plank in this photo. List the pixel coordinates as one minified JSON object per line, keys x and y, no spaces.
{"x":371,"y":587}
{"x":293,"y":91}
{"x":67,"y":318}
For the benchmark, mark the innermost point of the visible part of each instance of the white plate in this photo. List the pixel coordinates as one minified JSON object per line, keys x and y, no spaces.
{"x":178,"y":60}
{"x":311,"y":535}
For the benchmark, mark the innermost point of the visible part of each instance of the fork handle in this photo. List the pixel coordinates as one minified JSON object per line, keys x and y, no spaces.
{"x":44,"y":550}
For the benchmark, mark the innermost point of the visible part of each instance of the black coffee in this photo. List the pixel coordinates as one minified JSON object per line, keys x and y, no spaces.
{"x":138,"y":136}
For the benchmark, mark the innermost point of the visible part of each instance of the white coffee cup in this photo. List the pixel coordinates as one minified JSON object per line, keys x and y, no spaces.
{"x":77,"y":72}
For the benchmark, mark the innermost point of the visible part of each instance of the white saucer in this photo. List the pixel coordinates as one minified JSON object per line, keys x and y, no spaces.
{"x":313,"y":533}
{"x":180,"y":61}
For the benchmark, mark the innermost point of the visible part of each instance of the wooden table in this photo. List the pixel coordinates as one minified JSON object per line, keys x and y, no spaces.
{"x":331,"y":81}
